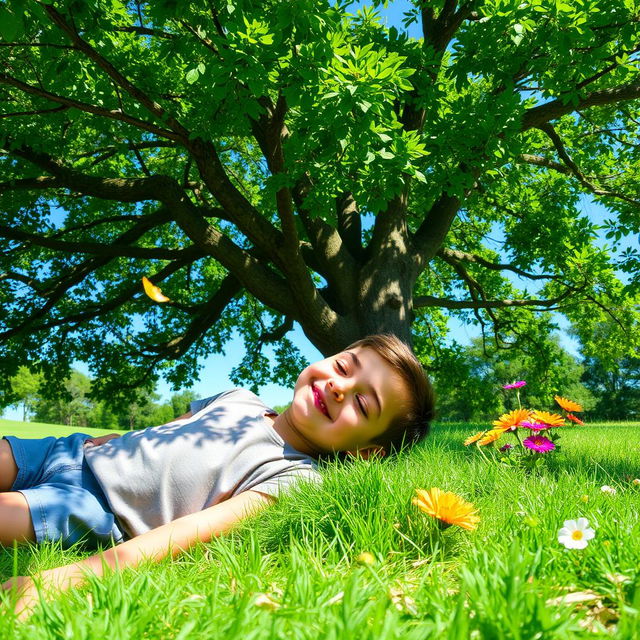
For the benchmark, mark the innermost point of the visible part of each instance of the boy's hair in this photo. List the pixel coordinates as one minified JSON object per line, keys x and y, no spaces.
{"x":415,"y":421}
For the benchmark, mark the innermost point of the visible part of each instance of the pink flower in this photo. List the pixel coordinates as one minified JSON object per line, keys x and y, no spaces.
{"x":538,"y":443}
{"x":506,"y":447}
{"x":514,"y":385}
{"x":534,"y":426}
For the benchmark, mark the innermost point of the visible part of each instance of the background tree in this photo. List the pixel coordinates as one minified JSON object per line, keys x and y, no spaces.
{"x":279,"y":162}
{"x":71,"y":406}
{"x":76,"y":406}
{"x":25,"y":386}
{"x":617,"y":388}
{"x":180,"y":402}
{"x":611,"y":373}
{"x":469,"y":379}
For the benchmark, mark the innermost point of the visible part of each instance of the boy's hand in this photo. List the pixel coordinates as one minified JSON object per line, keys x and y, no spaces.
{"x":94,"y":442}
{"x":27,"y":593}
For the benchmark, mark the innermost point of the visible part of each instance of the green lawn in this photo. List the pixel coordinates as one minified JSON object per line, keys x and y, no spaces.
{"x":41,"y":429}
{"x":509,"y":579}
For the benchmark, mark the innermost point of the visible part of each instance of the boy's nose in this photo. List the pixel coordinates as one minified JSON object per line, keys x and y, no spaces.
{"x":336,"y":390}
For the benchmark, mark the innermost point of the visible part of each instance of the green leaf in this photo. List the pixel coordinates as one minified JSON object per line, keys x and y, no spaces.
{"x":10,"y":24}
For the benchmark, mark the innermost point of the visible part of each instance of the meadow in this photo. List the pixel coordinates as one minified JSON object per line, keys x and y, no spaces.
{"x":354,"y":558}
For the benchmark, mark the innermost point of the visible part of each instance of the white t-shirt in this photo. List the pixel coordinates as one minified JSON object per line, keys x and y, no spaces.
{"x":155,"y":475}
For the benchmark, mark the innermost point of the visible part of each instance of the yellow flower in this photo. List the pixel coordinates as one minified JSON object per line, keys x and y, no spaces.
{"x":513,"y":419}
{"x":152,"y":291}
{"x":552,"y":419}
{"x":568,"y":405}
{"x":584,"y":498}
{"x":447,"y":507}
{"x":473,"y":438}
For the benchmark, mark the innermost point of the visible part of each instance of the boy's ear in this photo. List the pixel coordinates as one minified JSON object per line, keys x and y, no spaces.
{"x":368,"y":452}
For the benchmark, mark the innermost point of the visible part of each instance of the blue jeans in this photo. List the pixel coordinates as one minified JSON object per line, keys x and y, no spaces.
{"x":65,"y":500}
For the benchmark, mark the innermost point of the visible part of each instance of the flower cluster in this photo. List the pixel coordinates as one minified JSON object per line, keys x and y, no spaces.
{"x":540,"y":426}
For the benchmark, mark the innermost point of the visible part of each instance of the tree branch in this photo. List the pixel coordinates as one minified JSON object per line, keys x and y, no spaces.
{"x":431,"y":301}
{"x":449,"y":254}
{"x":38,"y":112}
{"x":436,"y":224}
{"x":240,"y":211}
{"x":349,"y":224}
{"x":148,"y":103}
{"x":112,"y":114}
{"x":538,"y":116}
{"x":119,"y":189}
{"x":95,"y":248}
{"x":575,"y":170}
{"x":211,"y":312}
{"x":80,"y":271}
{"x":98,"y":310}
{"x":439,"y":31}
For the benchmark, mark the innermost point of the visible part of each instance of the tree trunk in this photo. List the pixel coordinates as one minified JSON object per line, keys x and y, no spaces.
{"x":383,"y":304}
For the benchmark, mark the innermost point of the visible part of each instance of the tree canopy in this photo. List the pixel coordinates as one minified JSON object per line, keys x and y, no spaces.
{"x":278,"y":162}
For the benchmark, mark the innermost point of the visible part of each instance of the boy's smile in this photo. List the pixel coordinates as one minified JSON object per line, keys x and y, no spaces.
{"x":343,"y":403}
{"x":319,"y":400}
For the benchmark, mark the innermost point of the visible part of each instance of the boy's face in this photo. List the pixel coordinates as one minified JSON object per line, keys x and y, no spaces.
{"x":344,"y":402}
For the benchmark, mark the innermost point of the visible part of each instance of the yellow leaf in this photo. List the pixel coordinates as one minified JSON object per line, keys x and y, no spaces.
{"x":152,"y":291}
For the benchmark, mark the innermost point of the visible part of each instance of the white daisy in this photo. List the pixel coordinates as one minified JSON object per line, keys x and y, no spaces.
{"x":607,"y":489}
{"x":575,"y":533}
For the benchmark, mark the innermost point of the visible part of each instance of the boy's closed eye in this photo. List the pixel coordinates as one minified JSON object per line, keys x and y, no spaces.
{"x":341,"y":366}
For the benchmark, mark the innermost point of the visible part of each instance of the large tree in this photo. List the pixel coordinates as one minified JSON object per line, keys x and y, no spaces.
{"x":274,"y":162}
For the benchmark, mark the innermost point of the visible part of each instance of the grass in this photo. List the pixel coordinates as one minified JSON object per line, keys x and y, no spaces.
{"x":42,"y":430}
{"x":506,"y":580}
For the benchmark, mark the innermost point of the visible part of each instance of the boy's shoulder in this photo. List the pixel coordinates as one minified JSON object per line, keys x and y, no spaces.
{"x":237,"y":395}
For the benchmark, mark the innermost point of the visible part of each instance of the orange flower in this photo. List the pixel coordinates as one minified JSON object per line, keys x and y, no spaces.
{"x":472,"y":439}
{"x":447,"y":507}
{"x":568,"y":405}
{"x":552,"y":419}
{"x":152,"y":291}
{"x":575,"y":419}
{"x":513,"y":419}
{"x":491,"y":436}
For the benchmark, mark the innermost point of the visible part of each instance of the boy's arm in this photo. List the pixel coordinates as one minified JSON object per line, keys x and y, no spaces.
{"x":171,"y":538}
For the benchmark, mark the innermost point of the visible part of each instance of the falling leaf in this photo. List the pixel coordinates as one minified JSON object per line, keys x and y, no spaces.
{"x":152,"y":291}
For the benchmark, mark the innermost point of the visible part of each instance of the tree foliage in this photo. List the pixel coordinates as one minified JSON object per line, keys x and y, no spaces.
{"x":75,"y":405}
{"x":280,"y":162}
{"x":470,"y":379}
{"x":24,"y":388}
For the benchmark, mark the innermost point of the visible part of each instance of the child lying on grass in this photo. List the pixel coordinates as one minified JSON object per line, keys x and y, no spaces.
{"x":160,"y":490}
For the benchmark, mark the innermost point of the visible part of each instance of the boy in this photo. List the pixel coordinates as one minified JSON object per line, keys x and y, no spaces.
{"x":160,"y":490}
